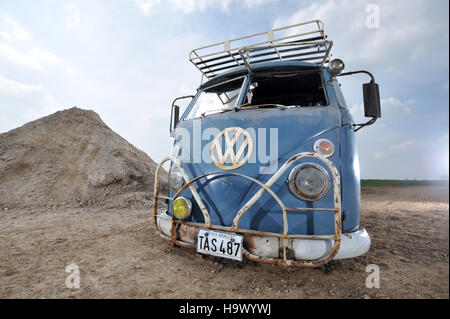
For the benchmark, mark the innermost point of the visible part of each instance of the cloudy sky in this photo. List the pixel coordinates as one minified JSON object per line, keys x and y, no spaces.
{"x":128,"y":59}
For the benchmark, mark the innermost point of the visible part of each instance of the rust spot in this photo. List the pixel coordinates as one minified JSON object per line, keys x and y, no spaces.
{"x":189,"y":232}
{"x":290,"y":254}
{"x":249,"y":242}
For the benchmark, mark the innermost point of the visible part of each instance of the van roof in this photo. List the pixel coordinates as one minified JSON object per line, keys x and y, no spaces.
{"x":275,"y":66}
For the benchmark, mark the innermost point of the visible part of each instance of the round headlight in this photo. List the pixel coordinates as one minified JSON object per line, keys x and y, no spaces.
{"x":324,"y":147}
{"x":176,"y":179}
{"x":309,"y":181}
{"x":182,"y":208}
{"x":336,"y":66}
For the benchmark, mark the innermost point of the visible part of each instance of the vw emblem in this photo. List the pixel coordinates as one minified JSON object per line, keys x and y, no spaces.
{"x":237,"y":157}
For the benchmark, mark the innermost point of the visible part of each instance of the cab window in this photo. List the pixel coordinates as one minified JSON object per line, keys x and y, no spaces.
{"x":295,"y":89}
{"x":216,"y":98}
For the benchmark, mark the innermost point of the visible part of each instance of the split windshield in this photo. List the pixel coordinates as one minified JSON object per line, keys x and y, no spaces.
{"x":263,"y":91}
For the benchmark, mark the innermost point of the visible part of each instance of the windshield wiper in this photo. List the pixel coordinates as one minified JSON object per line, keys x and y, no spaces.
{"x":244,"y":107}
{"x":215,"y":111}
{"x":259,"y":106}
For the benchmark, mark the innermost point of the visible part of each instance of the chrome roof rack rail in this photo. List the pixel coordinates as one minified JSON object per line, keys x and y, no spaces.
{"x":299,"y":42}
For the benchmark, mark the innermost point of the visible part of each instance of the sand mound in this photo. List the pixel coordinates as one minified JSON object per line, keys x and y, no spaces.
{"x":71,"y":158}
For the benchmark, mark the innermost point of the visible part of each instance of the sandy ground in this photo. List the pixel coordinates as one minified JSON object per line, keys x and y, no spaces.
{"x":120,"y":255}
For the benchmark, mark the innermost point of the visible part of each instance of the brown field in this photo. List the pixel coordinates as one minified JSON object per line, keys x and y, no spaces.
{"x":120,"y":255}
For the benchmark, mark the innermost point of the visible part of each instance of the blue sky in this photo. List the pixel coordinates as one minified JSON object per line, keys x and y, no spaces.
{"x":128,"y":59}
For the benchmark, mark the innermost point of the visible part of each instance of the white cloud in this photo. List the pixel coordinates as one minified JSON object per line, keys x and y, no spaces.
{"x":256,"y":3}
{"x":146,"y":6}
{"x":11,"y":30}
{"x":32,"y":59}
{"x":45,"y":56}
{"x":17,"y":88}
{"x":9,"y":53}
{"x":22,"y":102}
{"x":392,"y":109}
{"x":73,"y":16}
{"x":406,"y":32}
{"x":69,"y":70}
{"x":13,"y":33}
{"x":190,"y":6}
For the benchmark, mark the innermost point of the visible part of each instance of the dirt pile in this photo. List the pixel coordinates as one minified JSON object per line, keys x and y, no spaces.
{"x":72,"y":158}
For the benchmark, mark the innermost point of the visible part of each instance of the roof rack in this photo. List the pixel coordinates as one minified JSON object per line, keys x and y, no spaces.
{"x":299,"y":42}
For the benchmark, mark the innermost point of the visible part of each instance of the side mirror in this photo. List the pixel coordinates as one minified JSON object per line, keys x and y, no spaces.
{"x":175,"y":112}
{"x":371,"y":94}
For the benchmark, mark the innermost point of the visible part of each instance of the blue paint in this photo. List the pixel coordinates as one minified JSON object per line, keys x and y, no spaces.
{"x":298,"y":129}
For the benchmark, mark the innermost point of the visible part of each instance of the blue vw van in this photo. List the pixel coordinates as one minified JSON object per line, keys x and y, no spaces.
{"x":264,"y":163}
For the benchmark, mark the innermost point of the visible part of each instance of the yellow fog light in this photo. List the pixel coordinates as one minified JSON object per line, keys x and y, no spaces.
{"x":182,"y":208}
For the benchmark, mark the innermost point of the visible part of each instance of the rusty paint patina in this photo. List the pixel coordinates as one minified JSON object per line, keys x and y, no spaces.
{"x":183,"y":229}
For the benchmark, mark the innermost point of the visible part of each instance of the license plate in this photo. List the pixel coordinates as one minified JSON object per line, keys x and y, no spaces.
{"x":220,"y":244}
